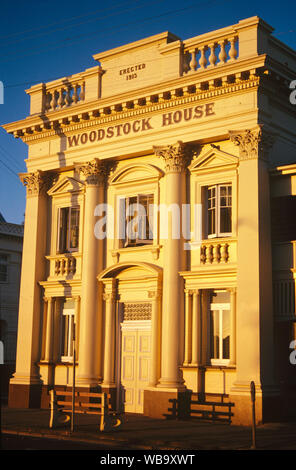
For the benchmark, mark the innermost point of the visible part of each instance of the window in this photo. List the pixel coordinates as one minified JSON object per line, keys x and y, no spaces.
{"x":3,"y":268}
{"x":68,"y":233}
{"x":67,"y":334}
{"x":219,"y":218}
{"x":220,"y":328}
{"x":137,"y":226}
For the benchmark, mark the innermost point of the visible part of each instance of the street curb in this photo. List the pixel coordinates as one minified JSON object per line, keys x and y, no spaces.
{"x":100,"y":440}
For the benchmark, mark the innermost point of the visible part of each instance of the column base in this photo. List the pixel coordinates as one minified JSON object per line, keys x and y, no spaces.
{"x":24,"y":395}
{"x":171,"y":384}
{"x":166,"y":403}
{"x":87,"y":381}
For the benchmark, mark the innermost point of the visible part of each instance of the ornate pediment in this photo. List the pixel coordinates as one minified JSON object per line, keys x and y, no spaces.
{"x":65,"y":185}
{"x":213,"y":159}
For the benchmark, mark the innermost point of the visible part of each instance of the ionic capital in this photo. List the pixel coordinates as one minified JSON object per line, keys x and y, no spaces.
{"x":176,"y":157}
{"x":253,"y":143}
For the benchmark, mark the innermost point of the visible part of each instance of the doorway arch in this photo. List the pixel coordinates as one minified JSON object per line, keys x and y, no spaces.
{"x":132,"y":349}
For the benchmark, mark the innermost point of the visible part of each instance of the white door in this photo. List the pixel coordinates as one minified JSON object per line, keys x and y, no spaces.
{"x":135,"y":364}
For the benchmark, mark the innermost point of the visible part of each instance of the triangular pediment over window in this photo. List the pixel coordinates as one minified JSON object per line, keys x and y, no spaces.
{"x":213,"y":159}
{"x":65,"y":185}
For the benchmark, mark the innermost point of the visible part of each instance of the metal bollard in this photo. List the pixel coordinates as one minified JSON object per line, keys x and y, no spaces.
{"x":253,"y":398}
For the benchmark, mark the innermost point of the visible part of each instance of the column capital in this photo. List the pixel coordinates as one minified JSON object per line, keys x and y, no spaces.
{"x":95,"y":172}
{"x":176,"y":156}
{"x":36,"y":182}
{"x":232,"y":290}
{"x":109,"y":296}
{"x":253,"y":143}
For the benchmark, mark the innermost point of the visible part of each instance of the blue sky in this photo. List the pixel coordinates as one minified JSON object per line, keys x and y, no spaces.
{"x":42,"y":40}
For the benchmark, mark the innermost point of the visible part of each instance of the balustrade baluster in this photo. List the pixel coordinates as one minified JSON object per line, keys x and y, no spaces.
{"x":203,"y":60}
{"x":232,"y":51}
{"x":57,"y":267}
{"x":47,"y":101}
{"x":212,"y":57}
{"x":54,"y":99}
{"x":193,"y":61}
{"x":222,"y":54}
{"x":75,"y":97}
{"x":68,"y":98}
{"x":209,"y":253}
{"x":217,"y":253}
{"x":203,"y":254}
{"x":61,"y":101}
{"x":224,"y":253}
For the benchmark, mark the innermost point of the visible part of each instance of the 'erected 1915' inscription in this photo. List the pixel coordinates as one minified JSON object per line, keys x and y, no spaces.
{"x":131,"y":72}
{"x":144,"y":124}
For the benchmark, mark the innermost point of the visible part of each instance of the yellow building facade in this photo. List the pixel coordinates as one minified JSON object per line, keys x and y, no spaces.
{"x":155,"y":227}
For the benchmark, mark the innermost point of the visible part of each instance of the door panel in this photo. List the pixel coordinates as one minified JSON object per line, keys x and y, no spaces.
{"x":135,"y":367}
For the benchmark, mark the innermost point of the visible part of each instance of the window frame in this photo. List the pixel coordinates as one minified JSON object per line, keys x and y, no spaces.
{"x":68,"y":249}
{"x":220,"y":307}
{"x":125,"y":241}
{"x":67,"y":312}
{"x":217,"y":210}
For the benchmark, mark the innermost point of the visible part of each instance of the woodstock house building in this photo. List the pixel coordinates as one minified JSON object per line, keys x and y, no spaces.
{"x":204,"y":127}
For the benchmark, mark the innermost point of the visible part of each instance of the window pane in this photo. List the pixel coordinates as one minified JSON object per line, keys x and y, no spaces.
{"x":225,"y":209}
{"x":225,"y":220}
{"x":212,"y":210}
{"x":214,"y":334}
{"x":74,"y":228}
{"x":225,"y":333}
{"x":65,"y":335}
{"x":71,"y":330}
{"x":63,"y":229}
{"x":131,"y":220}
{"x":150,"y":221}
{"x":139,"y":219}
{"x":146,"y":217}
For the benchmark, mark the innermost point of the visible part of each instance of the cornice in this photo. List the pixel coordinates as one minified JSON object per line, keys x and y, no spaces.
{"x":142,"y":111}
{"x":208,"y":83}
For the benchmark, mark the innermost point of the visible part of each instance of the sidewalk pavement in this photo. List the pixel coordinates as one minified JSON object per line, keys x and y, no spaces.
{"x":141,"y":432}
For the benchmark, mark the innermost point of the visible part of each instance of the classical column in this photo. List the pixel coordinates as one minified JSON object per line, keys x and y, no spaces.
{"x":232,"y":326}
{"x":109,"y":344}
{"x":92,"y":263}
{"x":49,"y":330}
{"x":188,"y":327}
{"x":255,"y":323}
{"x":196,"y":326}
{"x":155,"y":337}
{"x":25,"y":386}
{"x":176,"y":158}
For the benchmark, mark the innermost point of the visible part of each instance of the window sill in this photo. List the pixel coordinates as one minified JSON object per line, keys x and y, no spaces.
{"x":154,"y":249}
